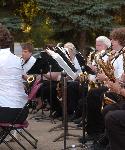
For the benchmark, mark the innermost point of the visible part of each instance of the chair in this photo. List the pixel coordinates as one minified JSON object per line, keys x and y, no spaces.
{"x":8,"y":127}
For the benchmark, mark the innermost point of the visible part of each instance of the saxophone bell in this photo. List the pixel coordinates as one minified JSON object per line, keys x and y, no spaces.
{"x":31,"y":79}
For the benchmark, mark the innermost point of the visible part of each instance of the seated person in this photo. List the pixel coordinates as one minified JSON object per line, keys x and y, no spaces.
{"x":27,"y":60}
{"x":12,"y":94}
{"x":115,"y":119}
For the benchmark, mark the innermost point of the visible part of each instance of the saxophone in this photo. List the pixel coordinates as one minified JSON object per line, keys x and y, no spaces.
{"x":109,"y":72}
{"x":108,"y":69}
{"x":31,"y":79}
{"x":91,"y":60}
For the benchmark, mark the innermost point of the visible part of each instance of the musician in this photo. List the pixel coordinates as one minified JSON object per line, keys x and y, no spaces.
{"x":95,"y":122}
{"x":27,"y":59}
{"x":74,"y":94}
{"x":12,"y":94}
{"x":115,"y":113}
{"x":50,"y":74}
{"x":102,"y":44}
{"x":77,"y":59}
{"x":115,"y":119}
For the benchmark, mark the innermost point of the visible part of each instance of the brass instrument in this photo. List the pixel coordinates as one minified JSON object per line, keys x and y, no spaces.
{"x":108,"y":69}
{"x":92,"y":85}
{"x":93,"y":60}
{"x":106,"y":100}
{"x":91,"y":57}
{"x":30,"y":79}
{"x":117,"y":54}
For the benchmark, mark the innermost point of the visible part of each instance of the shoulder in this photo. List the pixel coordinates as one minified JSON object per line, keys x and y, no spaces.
{"x":32,"y":59}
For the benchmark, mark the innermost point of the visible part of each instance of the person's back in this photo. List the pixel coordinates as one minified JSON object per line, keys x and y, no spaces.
{"x":11,"y":81}
{"x":12,"y":94}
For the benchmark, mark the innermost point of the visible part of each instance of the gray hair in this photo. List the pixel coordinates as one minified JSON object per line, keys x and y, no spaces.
{"x":70,"y":46}
{"x":104,"y":40}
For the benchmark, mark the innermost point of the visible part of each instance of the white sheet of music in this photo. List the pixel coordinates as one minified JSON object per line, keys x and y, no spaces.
{"x":62,"y":64}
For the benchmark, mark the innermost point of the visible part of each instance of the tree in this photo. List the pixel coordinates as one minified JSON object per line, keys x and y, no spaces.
{"x":81,"y":17}
{"x":27,"y":12}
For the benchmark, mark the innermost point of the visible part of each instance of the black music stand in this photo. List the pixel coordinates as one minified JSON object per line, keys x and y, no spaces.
{"x":84,"y":85}
{"x":65,"y":134}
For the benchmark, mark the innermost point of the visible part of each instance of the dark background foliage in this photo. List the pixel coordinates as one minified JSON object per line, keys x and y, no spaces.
{"x":53,"y":21}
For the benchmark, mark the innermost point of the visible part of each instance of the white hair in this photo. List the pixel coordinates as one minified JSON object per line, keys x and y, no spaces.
{"x":71,"y":46}
{"x":104,"y":40}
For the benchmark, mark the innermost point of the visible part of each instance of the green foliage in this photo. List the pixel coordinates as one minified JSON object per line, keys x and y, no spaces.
{"x":63,"y":20}
{"x":86,"y":15}
{"x":27,"y":11}
{"x":89,"y":16}
{"x":12,"y":23}
{"x":42,"y":33}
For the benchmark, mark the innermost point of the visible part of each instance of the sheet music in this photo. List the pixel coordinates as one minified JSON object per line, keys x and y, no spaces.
{"x":62,"y":64}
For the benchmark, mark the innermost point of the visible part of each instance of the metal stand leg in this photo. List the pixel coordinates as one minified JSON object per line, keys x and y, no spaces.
{"x":83,"y":144}
{"x":65,"y":122}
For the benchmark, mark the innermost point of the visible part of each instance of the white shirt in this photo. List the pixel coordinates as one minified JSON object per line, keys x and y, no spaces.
{"x":118,"y":66}
{"x":12,"y":92}
{"x":26,"y":66}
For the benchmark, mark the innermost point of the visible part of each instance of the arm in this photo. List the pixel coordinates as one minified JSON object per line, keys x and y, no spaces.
{"x":53,"y":76}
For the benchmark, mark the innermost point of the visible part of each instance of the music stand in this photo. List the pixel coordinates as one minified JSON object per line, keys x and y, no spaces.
{"x":61,"y":126}
{"x":83,"y":145}
{"x":65,"y":134}
{"x":46,"y":64}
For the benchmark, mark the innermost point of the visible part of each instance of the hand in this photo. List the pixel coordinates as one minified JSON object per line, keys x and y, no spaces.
{"x":114,"y":87}
{"x":122,"y":79}
{"x":101,"y":77}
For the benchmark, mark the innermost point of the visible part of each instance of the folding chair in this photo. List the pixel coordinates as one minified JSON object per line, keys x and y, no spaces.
{"x":8,"y":127}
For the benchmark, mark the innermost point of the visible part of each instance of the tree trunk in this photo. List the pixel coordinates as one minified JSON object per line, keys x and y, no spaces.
{"x":82,"y":42}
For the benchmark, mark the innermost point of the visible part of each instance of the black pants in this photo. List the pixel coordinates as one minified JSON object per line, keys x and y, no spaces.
{"x":11,"y":114}
{"x":95,"y":121}
{"x":73,"y":96}
{"x":115,"y":125}
{"x":52,"y":99}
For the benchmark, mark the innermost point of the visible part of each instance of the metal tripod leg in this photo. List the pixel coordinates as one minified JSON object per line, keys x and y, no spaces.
{"x":67,"y":135}
{"x":61,"y":126}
